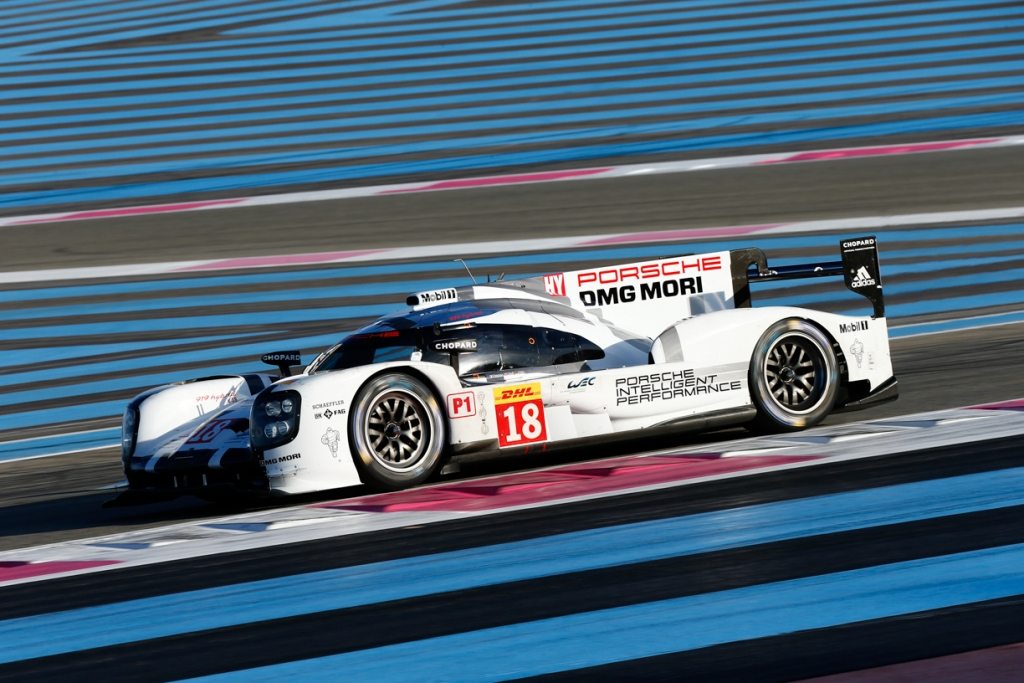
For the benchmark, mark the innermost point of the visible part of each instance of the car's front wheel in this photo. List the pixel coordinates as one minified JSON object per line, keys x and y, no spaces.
{"x":397,"y":431}
{"x":794,"y":376}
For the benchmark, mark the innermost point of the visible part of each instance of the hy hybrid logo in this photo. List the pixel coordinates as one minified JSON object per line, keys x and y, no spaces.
{"x":862,"y":278}
{"x":555,"y":284}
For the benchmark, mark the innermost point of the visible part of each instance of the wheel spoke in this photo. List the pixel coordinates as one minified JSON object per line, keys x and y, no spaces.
{"x":402,"y":449}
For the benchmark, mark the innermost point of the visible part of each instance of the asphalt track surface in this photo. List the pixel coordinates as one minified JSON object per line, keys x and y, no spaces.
{"x":811,"y":652}
{"x":58,"y":498}
{"x":917,"y":183}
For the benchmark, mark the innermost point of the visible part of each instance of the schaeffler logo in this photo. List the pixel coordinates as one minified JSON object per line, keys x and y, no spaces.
{"x":330,"y":439}
{"x":862,"y":278}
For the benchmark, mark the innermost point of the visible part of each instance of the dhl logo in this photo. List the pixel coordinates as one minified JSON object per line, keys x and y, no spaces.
{"x":514,"y":394}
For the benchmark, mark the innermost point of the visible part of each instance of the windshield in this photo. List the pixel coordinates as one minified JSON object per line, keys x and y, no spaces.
{"x":471,"y":349}
{"x":365,"y":348}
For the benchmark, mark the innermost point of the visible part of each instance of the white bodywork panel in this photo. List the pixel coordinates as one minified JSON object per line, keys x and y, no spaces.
{"x":180,"y":417}
{"x":864,"y":341}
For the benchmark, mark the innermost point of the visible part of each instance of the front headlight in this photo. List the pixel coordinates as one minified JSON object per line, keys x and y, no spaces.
{"x":275,"y":419}
{"x":129,"y":431}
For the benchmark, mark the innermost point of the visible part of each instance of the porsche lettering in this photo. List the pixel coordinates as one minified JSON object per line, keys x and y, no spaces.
{"x":649,"y":271}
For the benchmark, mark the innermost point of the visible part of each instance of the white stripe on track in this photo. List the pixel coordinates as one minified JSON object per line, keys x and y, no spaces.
{"x":513,"y":246}
{"x":834,"y":154}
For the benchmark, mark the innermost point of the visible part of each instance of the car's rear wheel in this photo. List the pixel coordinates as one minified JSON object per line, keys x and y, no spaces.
{"x":397,"y":431}
{"x":794,"y":376}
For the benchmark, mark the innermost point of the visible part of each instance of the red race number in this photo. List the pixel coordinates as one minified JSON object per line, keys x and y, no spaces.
{"x":520,"y":413}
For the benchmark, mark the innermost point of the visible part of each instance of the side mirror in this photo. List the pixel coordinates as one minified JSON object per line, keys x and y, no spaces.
{"x":283,"y":360}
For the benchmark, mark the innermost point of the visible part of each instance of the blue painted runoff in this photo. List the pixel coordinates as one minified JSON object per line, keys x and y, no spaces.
{"x":290,"y":596}
{"x":166,"y":144}
{"x":966,"y":323}
{"x":264,"y":90}
{"x":656,"y":628}
{"x":640,"y":40}
{"x":294,"y":104}
{"x":60,"y":443}
{"x":577,"y":153}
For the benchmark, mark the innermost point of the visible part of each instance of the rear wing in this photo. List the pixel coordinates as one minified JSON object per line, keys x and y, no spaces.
{"x":859,"y":268}
{"x":645,"y":297}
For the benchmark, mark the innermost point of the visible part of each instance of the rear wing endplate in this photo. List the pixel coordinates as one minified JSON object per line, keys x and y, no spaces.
{"x":859,"y":268}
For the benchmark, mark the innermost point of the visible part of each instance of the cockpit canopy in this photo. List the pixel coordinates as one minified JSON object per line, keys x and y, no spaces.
{"x":449,"y":335}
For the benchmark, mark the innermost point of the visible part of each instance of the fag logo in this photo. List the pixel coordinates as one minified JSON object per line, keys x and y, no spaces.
{"x":555,"y":284}
{"x":515,"y":394}
{"x":862,"y":278}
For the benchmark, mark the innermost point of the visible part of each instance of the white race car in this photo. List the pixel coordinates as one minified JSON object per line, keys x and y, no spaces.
{"x":517,"y":366}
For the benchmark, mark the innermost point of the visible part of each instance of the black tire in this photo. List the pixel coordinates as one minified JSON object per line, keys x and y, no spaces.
{"x":794,"y":377}
{"x":397,"y":432}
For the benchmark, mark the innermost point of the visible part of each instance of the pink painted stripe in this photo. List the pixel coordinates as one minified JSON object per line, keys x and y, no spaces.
{"x":1004,"y":664}
{"x":853,"y":152}
{"x":685,"y":234}
{"x":1014,"y":404}
{"x":562,"y":483}
{"x":488,"y":181}
{"x":282,"y":260}
{"x":133,"y":211}
{"x":513,"y":179}
{"x":10,"y":571}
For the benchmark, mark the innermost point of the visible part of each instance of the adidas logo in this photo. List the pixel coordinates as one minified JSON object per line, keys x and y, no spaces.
{"x":862,"y":278}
